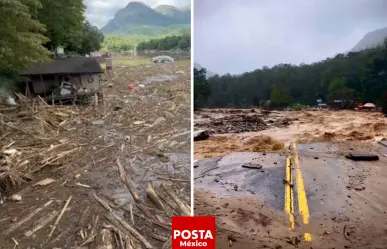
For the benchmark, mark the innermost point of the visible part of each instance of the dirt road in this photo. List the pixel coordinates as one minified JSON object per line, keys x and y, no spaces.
{"x":307,"y":194}
{"x":102,"y":166}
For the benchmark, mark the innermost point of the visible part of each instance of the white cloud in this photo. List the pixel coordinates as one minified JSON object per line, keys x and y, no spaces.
{"x":238,"y":36}
{"x":99,"y":12}
{"x":103,"y":4}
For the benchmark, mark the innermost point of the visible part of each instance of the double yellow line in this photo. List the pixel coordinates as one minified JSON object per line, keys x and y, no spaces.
{"x":301,"y":194}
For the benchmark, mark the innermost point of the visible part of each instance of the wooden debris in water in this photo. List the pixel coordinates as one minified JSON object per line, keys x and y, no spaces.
{"x":44,"y":182}
{"x":158,"y":237}
{"x":59,"y":140}
{"x":59,"y":217}
{"x":82,"y":185}
{"x":154,"y":197}
{"x":113,"y":217}
{"x":105,"y":240}
{"x":16,"y":198}
{"x":16,"y":243}
{"x":167,"y":244}
{"x":126,"y":179}
{"x":27,"y":218}
{"x":92,"y":233}
{"x":184,"y":210}
{"x":41,"y":223}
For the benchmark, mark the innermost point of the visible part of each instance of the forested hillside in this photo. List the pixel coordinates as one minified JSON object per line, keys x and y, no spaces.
{"x":31,"y":29}
{"x":118,"y":43}
{"x":168,"y":43}
{"x":358,"y":76}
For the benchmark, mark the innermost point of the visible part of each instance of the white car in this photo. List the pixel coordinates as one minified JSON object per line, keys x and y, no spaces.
{"x":163,"y":59}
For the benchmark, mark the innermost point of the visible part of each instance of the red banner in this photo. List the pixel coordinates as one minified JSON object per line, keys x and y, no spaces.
{"x":193,"y":232}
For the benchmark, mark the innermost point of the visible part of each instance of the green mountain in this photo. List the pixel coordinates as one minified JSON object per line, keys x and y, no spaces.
{"x":173,"y":12}
{"x":371,"y":40}
{"x":139,"y":19}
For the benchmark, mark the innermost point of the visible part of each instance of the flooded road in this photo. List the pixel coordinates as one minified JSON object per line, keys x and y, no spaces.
{"x":307,"y":194}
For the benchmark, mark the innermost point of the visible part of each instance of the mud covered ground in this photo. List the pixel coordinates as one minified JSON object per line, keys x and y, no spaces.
{"x":244,"y":222}
{"x":105,"y":177}
{"x":283,"y":127}
{"x":238,"y":121}
{"x":344,"y":198}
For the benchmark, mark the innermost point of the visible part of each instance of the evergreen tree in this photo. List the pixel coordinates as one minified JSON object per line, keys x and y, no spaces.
{"x":201,"y":88}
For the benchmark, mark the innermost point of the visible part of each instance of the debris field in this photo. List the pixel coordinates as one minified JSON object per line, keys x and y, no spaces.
{"x":106,"y":176}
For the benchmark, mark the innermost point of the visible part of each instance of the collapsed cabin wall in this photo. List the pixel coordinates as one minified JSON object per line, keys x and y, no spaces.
{"x":43,"y":84}
{"x":91,"y":82}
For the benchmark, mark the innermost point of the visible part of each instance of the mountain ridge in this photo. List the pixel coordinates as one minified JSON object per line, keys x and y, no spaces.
{"x":371,"y":40}
{"x":137,"y":14}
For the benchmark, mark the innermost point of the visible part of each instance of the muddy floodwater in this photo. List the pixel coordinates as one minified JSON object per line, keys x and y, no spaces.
{"x":288,"y":126}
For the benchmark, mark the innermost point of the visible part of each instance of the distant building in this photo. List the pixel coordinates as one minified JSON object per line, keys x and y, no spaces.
{"x":60,"y":50}
{"x":322,"y":105}
{"x":96,"y":54}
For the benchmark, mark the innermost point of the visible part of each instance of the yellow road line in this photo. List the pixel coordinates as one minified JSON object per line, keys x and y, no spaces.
{"x":307,"y":237}
{"x":289,"y":193}
{"x":302,"y":201}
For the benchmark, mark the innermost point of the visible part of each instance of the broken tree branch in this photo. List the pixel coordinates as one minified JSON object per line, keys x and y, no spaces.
{"x":126,"y":179}
{"x":123,"y":223}
{"x":30,"y":216}
{"x":60,"y":216}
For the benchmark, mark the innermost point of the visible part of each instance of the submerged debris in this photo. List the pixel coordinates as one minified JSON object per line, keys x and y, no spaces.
{"x":252,"y":166}
{"x":236,"y":124}
{"x":362,"y":157}
{"x":201,"y":135}
{"x":238,"y":121}
{"x":49,"y":153}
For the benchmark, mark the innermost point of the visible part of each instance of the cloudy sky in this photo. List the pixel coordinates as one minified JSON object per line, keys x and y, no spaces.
{"x":237,"y":36}
{"x":99,"y":12}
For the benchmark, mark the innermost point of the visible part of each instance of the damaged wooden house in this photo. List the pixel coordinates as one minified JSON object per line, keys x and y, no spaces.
{"x":63,"y":80}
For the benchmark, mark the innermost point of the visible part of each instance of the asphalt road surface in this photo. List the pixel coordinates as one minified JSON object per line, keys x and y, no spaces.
{"x":327,"y":198}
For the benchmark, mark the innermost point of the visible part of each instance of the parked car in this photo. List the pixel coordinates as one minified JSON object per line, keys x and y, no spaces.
{"x":163,"y":59}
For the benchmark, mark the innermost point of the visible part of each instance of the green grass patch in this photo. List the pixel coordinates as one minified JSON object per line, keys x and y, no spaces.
{"x":136,"y":61}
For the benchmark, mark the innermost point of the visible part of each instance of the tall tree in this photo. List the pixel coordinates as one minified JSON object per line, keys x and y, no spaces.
{"x":64,"y":21}
{"x":21,"y":36}
{"x":201,"y":88}
{"x":336,"y":88}
{"x":92,"y":39}
{"x":384,"y":103}
{"x":279,"y":97}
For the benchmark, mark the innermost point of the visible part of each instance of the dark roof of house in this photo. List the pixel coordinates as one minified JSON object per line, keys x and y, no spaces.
{"x":76,"y":65}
